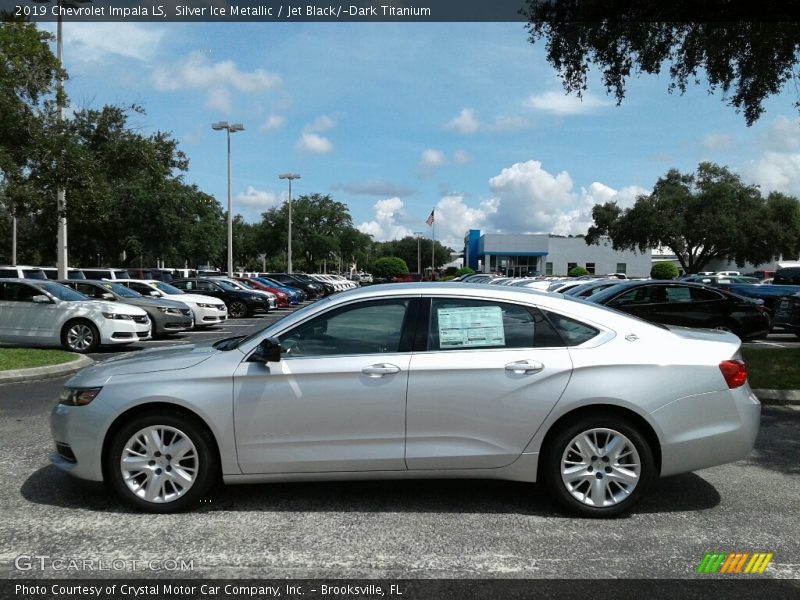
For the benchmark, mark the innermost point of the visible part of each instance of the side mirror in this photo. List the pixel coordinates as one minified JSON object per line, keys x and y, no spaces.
{"x":155,"y":294}
{"x":269,"y":350}
{"x":41,"y":299}
{"x":107,"y":296}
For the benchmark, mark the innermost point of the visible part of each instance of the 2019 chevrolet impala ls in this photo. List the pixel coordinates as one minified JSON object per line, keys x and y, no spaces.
{"x":416,"y":381}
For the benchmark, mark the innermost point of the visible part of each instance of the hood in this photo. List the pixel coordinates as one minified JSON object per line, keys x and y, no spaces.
{"x":115,"y":307}
{"x":146,"y":361}
{"x":145,"y":301}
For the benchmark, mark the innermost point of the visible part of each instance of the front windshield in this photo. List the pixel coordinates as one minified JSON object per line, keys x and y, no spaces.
{"x":167,"y":288}
{"x":121,"y":290}
{"x":62,"y":292}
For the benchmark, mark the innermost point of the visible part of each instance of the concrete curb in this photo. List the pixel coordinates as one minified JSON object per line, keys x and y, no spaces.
{"x":779,"y":397}
{"x":18,"y":375}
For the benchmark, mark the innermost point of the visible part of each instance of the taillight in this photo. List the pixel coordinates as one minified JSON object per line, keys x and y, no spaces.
{"x":734,"y":372}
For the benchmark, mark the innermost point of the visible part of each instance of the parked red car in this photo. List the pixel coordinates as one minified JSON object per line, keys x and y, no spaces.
{"x":283,"y":299}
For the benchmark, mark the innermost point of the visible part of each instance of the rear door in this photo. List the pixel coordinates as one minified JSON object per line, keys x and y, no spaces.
{"x":487,"y":377}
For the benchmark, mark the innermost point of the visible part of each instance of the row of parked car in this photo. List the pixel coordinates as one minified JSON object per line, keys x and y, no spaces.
{"x":702,"y":301}
{"x":112,"y":308}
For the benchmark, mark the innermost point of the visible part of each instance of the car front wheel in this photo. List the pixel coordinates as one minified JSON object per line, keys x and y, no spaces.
{"x":598,"y":466}
{"x":80,"y":336}
{"x":162,"y":462}
{"x":238,"y":310}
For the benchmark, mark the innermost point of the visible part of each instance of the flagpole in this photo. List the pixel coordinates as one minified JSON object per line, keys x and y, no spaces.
{"x":433,"y":247}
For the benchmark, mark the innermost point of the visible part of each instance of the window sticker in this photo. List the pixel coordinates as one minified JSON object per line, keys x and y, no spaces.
{"x":471,"y":326}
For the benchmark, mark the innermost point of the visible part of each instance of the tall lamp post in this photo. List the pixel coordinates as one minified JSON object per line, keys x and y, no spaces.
{"x":229,"y":128}
{"x":419,"y":235}
{"x":291,"y":177}
{"x":61,"y":194}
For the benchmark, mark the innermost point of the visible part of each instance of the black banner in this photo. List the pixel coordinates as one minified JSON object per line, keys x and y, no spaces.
{"x":742,"y":588}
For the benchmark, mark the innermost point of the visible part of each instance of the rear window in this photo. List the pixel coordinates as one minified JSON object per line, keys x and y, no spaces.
{"x":571,"y":331}
{"x":787,"y":277}
{"x":33,"y":274}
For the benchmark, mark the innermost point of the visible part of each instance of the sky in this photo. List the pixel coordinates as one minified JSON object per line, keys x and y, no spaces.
{"x":398,"y":119}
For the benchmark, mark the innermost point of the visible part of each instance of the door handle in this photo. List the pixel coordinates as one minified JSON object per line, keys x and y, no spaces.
{"x":380,"y":370}
{"x":525,"y":366}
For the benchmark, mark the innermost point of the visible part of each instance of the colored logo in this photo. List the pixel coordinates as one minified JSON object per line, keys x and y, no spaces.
{"x":735,"y":563}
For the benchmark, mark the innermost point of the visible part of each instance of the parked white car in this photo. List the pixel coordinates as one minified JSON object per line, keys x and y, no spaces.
{"x":46,"y":313}
{"x":207,"y":310}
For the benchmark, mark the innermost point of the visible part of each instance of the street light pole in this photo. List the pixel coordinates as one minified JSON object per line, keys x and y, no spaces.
{"x":229,"y":128}
{"x":419,"y":235}
{"x":62,"y":256}
{"x":291,"y":177}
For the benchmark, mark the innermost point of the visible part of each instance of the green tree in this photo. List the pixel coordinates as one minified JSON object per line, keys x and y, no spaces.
{"x":464,"y":271}
{"x":746,"y":60}
{"x":577,"y":272}
{"x":318,"y":224}
{"x":664,"y":270}
{"x":406,"y":249}
{"x":390,"y":266}
{"x":700,"y":217}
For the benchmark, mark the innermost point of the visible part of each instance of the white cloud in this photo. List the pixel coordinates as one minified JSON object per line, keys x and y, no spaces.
{"x":272,"y":123}
{"x":460,"y":157}
{"x":775,"y":171}
{"x":465,"y":123}
{"x":433,"y":159}
{"x":454,"y":218}
{"x":783,"y":135}
{"x":717,"y":142}
{"x":566,"y":104}
{"x":94,"y":42}
{"x":320,"y":125}
{"x":384,"y":226}
{"x":529,"y":199}
{"x":196,"y":72}
{"x":254,"y":198}
{"x":315,"y":144}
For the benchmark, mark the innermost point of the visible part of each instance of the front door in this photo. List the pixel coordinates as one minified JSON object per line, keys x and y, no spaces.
{"x":337,"y":399}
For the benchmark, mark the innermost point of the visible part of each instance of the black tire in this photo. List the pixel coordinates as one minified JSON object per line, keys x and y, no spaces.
{"x":238,"y":310}
{"x":80,"y":335}
{"x":164,"y":476}
{"x":616,"y":495}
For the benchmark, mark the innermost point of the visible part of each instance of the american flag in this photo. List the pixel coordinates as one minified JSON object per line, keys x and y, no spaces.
{"x":429,"y":220}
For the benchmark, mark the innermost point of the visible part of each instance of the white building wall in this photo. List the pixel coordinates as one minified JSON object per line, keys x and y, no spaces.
{"x":563,"y":251}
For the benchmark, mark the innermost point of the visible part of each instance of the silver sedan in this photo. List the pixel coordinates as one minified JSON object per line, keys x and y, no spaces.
{"x":416,"y":381}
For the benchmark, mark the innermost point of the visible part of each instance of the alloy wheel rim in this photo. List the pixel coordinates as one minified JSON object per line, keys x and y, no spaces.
{"x":600,"y":467}
{"x":80,"y":337}
{"x":159,"y":464}
{"x":238,"y":309}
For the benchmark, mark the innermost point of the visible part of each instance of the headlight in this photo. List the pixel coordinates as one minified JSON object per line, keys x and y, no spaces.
{"x":111,"y":315}
{"x":168,"y":310}
{"x":78,"y":396}
{"x":201,"y":305}
{"x":257,"y":298}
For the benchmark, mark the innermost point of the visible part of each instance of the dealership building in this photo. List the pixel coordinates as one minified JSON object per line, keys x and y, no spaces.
{"x":520,"y":255}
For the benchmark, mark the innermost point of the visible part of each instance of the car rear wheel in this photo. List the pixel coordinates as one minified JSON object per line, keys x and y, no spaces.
{"x":162,"y":462}
{"x":80,"y":336}
{"x":238,"y":310}
{"x":598,"y":466}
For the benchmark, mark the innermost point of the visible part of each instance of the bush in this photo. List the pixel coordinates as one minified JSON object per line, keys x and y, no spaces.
{"x":450,"y":271}
{"x":390,"y":266}
{"x":464,"y":271}
{"x":664,"y":270}
{"x":577,"y":272}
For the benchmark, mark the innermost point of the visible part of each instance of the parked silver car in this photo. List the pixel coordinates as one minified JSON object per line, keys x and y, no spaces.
{"x":416,"y":381}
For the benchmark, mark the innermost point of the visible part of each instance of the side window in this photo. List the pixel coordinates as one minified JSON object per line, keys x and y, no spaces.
{"x":574,"y":333}
{"x":373,"y":327}
{"x":205,"y":286}
{"x":702,"y":295}
{"x":465,"y":324}
{"x":678,"y":294}
{"x":638,"y":295}
{"x":184,"y":285}
{"x":85,"y":289}
{"x":19,"y":292}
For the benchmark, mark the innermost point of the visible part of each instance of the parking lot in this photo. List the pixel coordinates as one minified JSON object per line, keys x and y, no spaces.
{"x":422,"y":529}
